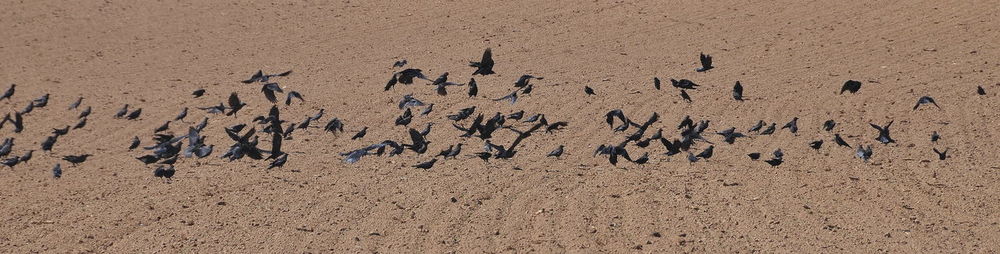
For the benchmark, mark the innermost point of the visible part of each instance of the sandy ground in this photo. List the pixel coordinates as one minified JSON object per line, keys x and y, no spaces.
{"x":791,"y":56}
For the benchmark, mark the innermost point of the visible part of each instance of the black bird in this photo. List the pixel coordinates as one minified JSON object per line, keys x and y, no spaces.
{"x":769,"y":130}
{"x":816,"y":144}
{"x":41,"y":101}
{"x":756,"y":127}
{"x":829,"y":124}
{"x":49,"y":142}
{"x":642,"y":159}
{"x":279,"y":162}
{"x":76,"y":103}
{"x":588,"y":90}
{"x":556,"y":153}
{"x":269,"y":89}
{"x":793,"y":125}
{"x":883,"y":133}
{"x":405,"y":118}
{"x":182,"y":115}
{"x":392,"y":82}
{"x":162,"y":128}
{"x":534,"y":118}
{"x":754,"y":156}
{"x":473,"y":88}
{"x":672,"y":148}
{"x":80,"y":124}
{"x":426,"y":165}
{"x":9,"y":92}
{"x":121,"y":112}
{"x":941,"y":155}
{"x":18,"y":122}
{"x":198,"y":93}
{"x":980,"y":90}
{"x":738,"y":91}
{"x":406,"y":76}
{"x":686,"y":123}
{"x":524,"y":80}
{"x":656,"y":83}
{"x":57,"y":171}
{"x":399,"y":63}
{"x":234,"y":104}
{"x":315,"y":117}
{"x":27,"y":156}
{"x":8,"y":145}
{"x":840,"y":141}
{"x":485,"y":65}
{"x":775,"y":162}
{"x":164,"y":171}
{"x":427,"y":130}
{"x":510,"y":151}
{"x":777,"y":159}
{"x":527,"y":89}
{"x":617,"y":113}
{"x":683,"y":84}
{"x":305,"y":123}
{"x":516,"y":115}
{"x":134,"y":115}
{"x":427,"y":110}
{"x":685,"y":96}
{"x":730,"y":135}
{"x":864,"y":153}
{"x":11,"y":162}
{"x":60,"y":132}
{"x":706,"y":63}
{"x":851,"y":86}
{"x":134,"y":144}
{"x":452,"y":153}
{"x":360,"y":134}
{"x":707,"y":153}
{"x":260,"y":77}
{"x":935,"y":136}
{"x":201,"y":125}
{"x":85,"y":112}
{"x":485,"y":156}
{"x":255,"y":77}
{"x":28,"y":109}
{"x":76,"y":159}
{"x":334,"y":125}
{"x":925,"y":100}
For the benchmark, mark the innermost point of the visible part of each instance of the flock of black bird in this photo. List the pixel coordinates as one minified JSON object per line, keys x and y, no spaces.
{"x":166,"y":148}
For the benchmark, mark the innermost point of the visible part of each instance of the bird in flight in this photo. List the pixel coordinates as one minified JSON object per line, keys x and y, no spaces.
{"x":485,"y":65}
{"x":706,"y":63}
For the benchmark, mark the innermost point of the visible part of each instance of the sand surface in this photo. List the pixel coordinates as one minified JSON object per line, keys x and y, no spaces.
{"x":791,"y":56}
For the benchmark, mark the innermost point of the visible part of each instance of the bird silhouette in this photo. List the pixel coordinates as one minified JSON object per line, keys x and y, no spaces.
{"x":883,"y":133}
{"x":925,"y":100}
{"x":557,"y":152}
{"x":485,"y":64}
{"x":706,"y":63}
{"x":738,"y":91}
{"x":851,"y":86}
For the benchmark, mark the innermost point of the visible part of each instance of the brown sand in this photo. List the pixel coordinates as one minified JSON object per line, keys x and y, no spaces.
{"x":791,"y":56}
